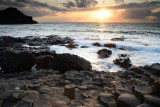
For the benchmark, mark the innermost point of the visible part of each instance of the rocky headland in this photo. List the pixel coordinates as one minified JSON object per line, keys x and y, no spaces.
{"x":34,"y":76}
{"x":12,"y":15}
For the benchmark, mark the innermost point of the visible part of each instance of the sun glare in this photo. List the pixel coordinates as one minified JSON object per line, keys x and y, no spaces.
{"x":102,"y":14}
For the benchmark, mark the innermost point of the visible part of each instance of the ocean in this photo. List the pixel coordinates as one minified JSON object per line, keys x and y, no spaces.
{"x":142,"y":41}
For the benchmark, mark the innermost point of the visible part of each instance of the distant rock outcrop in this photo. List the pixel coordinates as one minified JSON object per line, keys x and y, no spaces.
{"x":12,"y":15}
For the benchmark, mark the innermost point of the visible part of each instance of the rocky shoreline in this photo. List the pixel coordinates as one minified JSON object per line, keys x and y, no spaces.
{"x":138,"y":87}
{"x":67,"y":80}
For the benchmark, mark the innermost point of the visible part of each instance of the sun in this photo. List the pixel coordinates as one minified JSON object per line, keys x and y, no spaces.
{"x":102,"y":14}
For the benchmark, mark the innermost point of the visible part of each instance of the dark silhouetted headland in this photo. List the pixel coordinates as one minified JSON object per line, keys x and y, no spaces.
{"x":12,"y":15}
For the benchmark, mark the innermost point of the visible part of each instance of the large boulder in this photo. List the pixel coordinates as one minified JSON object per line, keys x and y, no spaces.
{"x":18,"y":62}
{"x":14,"y":16}
{"x":104,"y":53}
{"x":66,"y":62}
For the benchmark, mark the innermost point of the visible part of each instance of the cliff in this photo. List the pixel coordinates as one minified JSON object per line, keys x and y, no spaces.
{"x":12,"y":15}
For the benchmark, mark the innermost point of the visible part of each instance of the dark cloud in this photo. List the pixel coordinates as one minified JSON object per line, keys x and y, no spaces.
{"x":139,"y":11}
{"x":80,"y":3}
{"x":119,"y":1}
{"x":32,"y":3}
{"x":146,"y":5}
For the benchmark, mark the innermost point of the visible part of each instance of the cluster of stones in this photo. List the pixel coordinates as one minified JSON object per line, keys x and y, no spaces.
{"x":138,"y":87}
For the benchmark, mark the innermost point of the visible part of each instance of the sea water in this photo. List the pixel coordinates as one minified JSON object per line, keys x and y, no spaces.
{"x":142,"y":41}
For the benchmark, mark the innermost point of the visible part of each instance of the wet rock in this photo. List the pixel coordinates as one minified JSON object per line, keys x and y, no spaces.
{"x":155,"y":69}
{"x":23,"y":104}
{"x":72,"y":46}
{"x":97,"y":44}
{"x":104,"y":53}
{"x":69,"y":91}
{"x":84,"y":46}
{"x":152,"y":99}
{"x":44,"y":89}
{"x":144,"y":105}
{"x":118,"y":39}
{"x":127,"y":100}
{"x":66,"y":62}
{"x":110,"y":45}
{"x":142,"y":90}
{"x":123,"y":61}
{"x":107,"y":99}
{"x":42,"y":104}
{"x":18,"y":63}
{"x":44,"y":62}
{"x":120,"y":91}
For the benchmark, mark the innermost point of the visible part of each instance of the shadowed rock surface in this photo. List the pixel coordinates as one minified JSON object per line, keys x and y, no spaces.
{"x":12,"y":15}
{"x":66,"y":62}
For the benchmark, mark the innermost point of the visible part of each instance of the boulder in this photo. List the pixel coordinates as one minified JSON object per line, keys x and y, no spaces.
{"x":123,"y":61}
{"x":128,"y":100}
{"x":104,"y":53}
{"x":96,"y":44}
{"x":44,"y":62}
{"x":18,"y":62}
{"x":66,"y":62}
{"x":111,"y":45}
{"x":155,"y":69}
{"x":12,"y":15}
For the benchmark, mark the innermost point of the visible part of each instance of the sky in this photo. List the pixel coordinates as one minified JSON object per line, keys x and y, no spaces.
{"x":88,"y":10}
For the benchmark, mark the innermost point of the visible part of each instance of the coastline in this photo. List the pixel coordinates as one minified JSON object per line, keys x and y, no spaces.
{"x":73,"y":88}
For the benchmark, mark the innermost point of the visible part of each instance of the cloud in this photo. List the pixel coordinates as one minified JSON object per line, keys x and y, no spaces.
{"x":80,"y":3}
{"x":139,"y":11}
{"x":146,"y":5}
{"x":32,"y":3}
